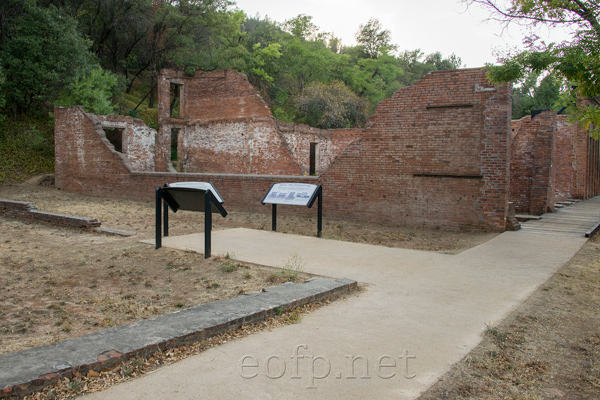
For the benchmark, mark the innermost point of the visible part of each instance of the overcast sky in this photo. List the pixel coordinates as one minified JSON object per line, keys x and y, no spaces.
{"x":430,"y":25}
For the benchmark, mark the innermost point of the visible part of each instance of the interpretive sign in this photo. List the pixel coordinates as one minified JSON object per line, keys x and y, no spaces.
{"x":197,"y":185}
{"x":188,"y":196}
{"x":295,"y":194}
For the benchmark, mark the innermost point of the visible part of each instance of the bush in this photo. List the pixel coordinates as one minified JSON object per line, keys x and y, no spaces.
{"x":96,"y":91}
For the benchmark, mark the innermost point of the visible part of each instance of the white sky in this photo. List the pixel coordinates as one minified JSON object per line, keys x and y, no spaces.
{"x":430,"y":25}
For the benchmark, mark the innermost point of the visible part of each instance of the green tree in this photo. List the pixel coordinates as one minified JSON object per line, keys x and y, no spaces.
{"x":577,"y":60}
{"x":528,"y":95}
{"x":416,"y":64}
{"x":440,"y":63}
{"x":374,"y":39}
{"x":97,"y":91}
{"x":374,"y":79}
{"x":41,"y":53}
{"x":331,"y":105}
{"x":301,"y":27}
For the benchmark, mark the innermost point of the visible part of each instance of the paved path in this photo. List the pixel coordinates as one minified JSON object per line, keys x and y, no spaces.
{"x":421,"y":313}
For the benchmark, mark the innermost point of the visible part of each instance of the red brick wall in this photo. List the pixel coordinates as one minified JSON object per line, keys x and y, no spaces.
{"x":87,"y":163}
{"x":330,"y":144}
{"x":521,"y":165}
{"x":542,"y":183}
{"x":549,"y":155}
{"x":435,"y":154}
{"x":139,"y":141}
{"x":225,"y":126}
{"x":566,"y":156}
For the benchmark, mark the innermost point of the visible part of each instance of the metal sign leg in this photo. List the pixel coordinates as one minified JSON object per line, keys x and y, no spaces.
{"x":320,"y":215}
{"x":207,"y":224}
{"x":158,"y":233}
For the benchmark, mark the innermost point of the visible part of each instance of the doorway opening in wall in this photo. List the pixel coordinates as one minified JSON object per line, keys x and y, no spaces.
{"x":174,"y":145}
{"x":175,"y":97}
{"x":313,"y":159}
{"x":115,"y":137}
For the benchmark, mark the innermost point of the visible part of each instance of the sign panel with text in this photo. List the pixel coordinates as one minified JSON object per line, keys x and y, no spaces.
{"x":296,"y":194}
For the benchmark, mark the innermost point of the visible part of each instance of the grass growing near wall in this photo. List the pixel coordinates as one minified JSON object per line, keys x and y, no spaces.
{"x":26,"y":148}
{"x":132,"y":100}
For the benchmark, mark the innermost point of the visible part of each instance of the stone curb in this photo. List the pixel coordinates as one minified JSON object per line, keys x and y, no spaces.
{"x":31,"y":370}
{"x":26,"y":210}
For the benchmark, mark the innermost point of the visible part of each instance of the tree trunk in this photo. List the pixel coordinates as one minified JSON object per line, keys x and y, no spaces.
{"x":152,"y":99}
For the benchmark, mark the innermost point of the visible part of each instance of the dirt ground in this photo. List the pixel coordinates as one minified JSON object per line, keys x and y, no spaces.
{"x":60,"y":282}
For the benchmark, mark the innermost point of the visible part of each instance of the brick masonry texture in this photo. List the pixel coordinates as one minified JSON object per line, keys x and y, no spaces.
{"x":224,"y":126}
{"x":435,"y":154}
{"x":439,"y":153}
{"x":552,"y":160}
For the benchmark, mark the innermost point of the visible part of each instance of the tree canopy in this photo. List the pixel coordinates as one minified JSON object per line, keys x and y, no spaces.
{"x":575,"y":63}
{"x":97,"y":52}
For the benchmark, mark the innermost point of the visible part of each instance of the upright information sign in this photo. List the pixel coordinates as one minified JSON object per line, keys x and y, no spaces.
{"x":295,"y":194}
{"x":189,"y":196}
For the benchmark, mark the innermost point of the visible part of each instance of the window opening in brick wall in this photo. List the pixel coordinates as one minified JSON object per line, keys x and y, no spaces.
{"x":174,"y":142}
{"x":175,"y":100}
{"x":115,"y":137}
{"x":313,"y":159}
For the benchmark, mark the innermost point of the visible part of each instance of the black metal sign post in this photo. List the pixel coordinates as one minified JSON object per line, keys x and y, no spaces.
{"x":298,"y":194}
{"x":273,"y":217}
{"x":190,"y":196}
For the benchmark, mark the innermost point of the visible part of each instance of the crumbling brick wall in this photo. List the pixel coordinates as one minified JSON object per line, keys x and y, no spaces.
{"x":326,"y":144}
{"x":435,"y":154}
{"x":223,"y":126}
{"x":544,"y":151}
{"x":138,"y":140}
{"x":521,"y":164}
{"x":549,"y":157}
{"x":532,"y":149}
{"x":87,"y":163}
{"x":569,"y":153}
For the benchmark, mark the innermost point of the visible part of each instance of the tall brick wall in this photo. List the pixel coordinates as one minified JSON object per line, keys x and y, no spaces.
{"x":435,"y":154}
{"x":542,"y":183}
{"x":521,"y":165}
{"x":138,"y":140}
{"x":592,"y":179}
{"x":569,"y":153}
{"x":549,"y":162}
{"x":138,"y":150}
{"x":224,"y":126}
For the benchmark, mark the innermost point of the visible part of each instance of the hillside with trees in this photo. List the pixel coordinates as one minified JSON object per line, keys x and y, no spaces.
{"x":106,"y":55}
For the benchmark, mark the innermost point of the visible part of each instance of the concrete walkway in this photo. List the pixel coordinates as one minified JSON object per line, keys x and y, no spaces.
{"x":421,"y":313}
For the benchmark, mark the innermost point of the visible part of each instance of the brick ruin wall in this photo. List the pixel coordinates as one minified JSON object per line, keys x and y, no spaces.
{"x":224,"y":126}
{"x":435,"y":154}
{"x":328,"y":144}
{"x":86,"y":162}
{"x":549,"y":162}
